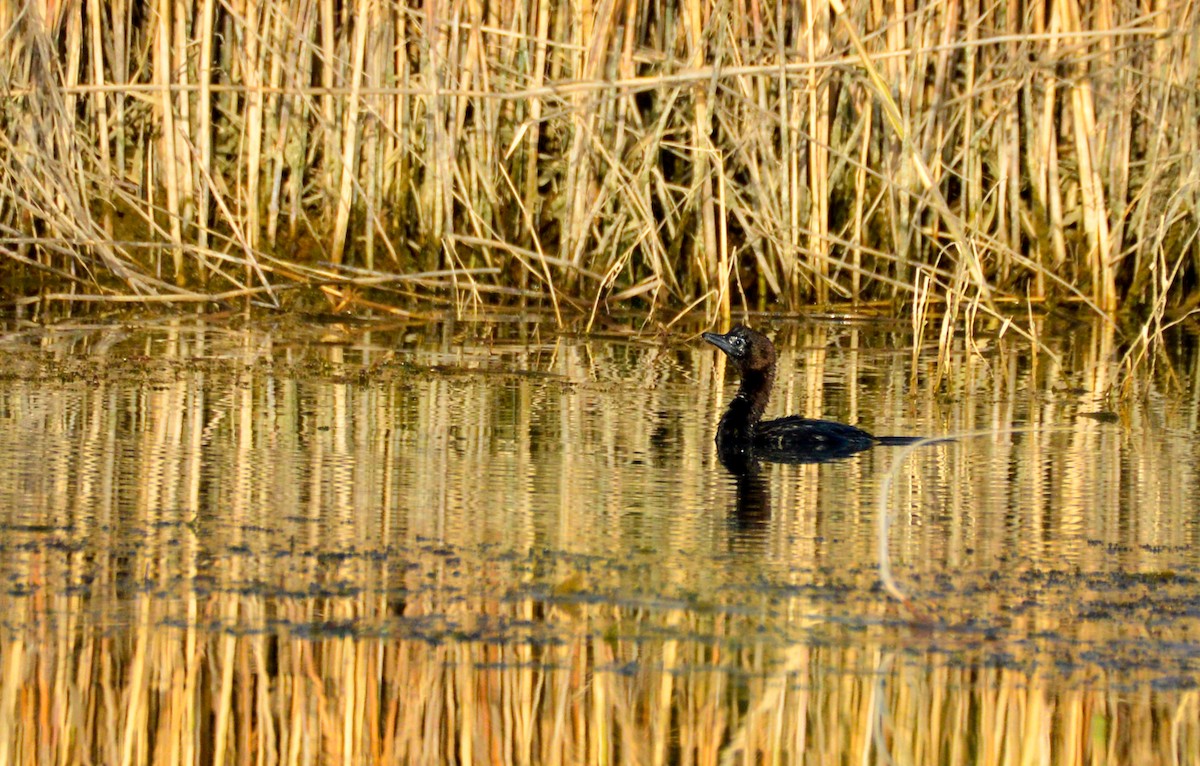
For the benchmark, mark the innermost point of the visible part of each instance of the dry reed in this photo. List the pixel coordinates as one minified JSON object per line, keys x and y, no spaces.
{"x":653,"y":155}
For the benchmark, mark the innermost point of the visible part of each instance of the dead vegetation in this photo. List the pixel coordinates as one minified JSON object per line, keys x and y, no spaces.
{"x":654,"y":156}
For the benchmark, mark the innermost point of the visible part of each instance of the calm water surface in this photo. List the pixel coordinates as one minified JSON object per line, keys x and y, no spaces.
{"x":485,"y":542}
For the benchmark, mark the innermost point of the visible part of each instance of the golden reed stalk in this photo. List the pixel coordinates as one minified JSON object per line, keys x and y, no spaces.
{"x":658,"y":154}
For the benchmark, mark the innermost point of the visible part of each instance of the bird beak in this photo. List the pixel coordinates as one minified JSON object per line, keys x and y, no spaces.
{"x":720,"y":341}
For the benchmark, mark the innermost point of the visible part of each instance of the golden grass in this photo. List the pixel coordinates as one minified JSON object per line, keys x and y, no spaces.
{"x":656,"y":155}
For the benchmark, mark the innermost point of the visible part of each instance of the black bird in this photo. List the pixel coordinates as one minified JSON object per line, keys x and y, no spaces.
{"x":744,"y":437}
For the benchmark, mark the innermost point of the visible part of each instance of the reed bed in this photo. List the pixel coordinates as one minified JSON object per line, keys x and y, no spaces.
{"x":652,"y":155}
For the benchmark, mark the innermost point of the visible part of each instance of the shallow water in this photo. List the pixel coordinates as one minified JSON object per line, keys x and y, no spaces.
{"x":485,"y":541}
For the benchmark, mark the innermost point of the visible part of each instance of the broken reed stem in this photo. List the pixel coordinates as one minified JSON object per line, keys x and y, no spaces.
{"x":593,"y":134}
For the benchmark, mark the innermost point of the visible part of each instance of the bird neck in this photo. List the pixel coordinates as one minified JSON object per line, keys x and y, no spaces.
{"x":748,"y":405}
{"x":755,"y":390}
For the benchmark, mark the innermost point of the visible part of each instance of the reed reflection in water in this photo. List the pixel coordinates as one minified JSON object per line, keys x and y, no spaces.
{"x":471,"y":544}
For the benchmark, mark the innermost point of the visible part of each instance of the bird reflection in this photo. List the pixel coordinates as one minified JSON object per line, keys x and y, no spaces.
{"x":752,"y":513}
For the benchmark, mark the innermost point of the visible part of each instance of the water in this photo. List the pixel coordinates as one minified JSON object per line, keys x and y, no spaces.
{"x":485,"y":541}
